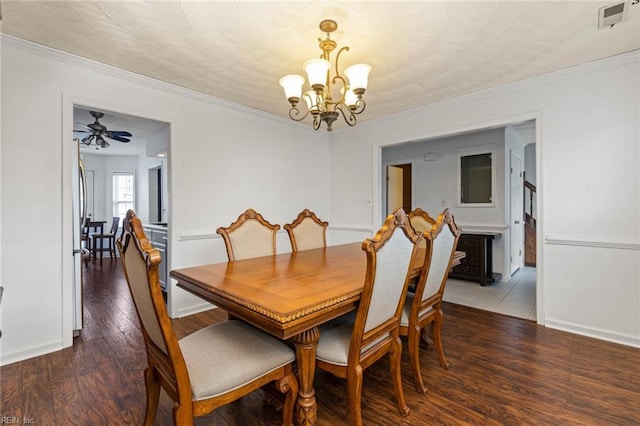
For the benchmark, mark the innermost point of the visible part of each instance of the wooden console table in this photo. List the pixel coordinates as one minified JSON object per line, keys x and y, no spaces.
{"x":477,"y":265}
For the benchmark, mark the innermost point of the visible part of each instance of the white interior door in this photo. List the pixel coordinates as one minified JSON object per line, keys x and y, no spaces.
{"x":517,"y":222}
{"x":394,"y":188}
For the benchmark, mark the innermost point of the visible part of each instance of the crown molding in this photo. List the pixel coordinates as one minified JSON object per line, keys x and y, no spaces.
{"x":132,"y":77}
{"x":529,"y":83}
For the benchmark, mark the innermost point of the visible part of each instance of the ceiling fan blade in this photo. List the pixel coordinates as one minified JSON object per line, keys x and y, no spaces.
{"x":111,"y":133}
{"x":81,"y":131}
{"x":82,"y":125}
{"x":117,"y":138}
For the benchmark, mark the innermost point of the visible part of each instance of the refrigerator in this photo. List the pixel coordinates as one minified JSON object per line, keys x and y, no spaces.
{"x":79,"y":198}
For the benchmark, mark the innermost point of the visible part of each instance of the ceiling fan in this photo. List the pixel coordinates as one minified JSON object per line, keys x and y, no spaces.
{"x":98,"y":132}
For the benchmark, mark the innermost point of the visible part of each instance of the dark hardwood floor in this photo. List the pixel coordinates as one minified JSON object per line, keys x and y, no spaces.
{"x":503,"y":371}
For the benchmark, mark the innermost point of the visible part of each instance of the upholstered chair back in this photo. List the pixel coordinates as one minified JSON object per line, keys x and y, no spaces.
{"x":249,"y":236}
{"x":443,"y":239}
{"x":307,"y":231}
{"x":252,"y":239}
{"x":135,"y":253}
{"x":392,"y":264}
{"x":421,"y":221}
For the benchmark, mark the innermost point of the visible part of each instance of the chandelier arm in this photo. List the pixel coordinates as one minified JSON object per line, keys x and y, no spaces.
{"x":337,"y":61}
{"x":294,"y":111}
{"x":360,"y":106}
{"x":349,"y":116}
{"x":316,"y":122}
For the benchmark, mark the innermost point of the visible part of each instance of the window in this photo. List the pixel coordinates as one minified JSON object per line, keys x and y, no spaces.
{"x":476,"y":177}
{"x":123,"y":193}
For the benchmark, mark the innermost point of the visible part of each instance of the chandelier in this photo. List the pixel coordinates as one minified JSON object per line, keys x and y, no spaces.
{"x":320,"y":100}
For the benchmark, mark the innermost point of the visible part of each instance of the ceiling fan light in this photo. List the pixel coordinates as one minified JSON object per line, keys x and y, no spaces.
{"x":87,"y":140}
{"x":292,"y":85}
{"x":358,"y":76}
{"x":316,"y":70}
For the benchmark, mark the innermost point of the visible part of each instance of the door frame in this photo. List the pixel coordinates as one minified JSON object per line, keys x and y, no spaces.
{"x":516,"y":228}
{"x":453,"y":130}
{"x":139,"y":110}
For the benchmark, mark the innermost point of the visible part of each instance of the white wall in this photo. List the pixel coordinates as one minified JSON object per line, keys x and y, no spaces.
{"x":588,"y":181}
{"x":104,"y":166}
{"x":224,"y":159}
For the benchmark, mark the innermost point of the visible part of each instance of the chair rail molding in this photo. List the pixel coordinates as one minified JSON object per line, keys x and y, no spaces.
{"x":351,"y":228}
{"x":583,"y":240}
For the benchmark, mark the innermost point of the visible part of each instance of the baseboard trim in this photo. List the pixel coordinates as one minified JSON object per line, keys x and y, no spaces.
{"x":195,"y":309}
{"x":600,"y":334}
{"x":33,"y":352}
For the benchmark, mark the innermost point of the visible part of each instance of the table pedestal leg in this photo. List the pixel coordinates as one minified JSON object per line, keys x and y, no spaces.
{"x":306,"y":343}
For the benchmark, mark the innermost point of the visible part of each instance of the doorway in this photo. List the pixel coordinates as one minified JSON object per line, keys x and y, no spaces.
{"x":141,"y":157}
{"x":155,"y":194}
{"x":435,"y":187}
{"x":398,"y":188}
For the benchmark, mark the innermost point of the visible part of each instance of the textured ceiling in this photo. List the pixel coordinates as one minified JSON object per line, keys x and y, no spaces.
{"x":421,"y":52}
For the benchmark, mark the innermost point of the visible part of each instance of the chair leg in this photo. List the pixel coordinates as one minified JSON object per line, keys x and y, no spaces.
{"x":437,"y":337}
{"x":289,"y":385}
{"x":414,"y":356}
{"x":182,"y":415}
{"x":354,"y":394}
{"x":396,"y":374}
{"x":153,"y":396}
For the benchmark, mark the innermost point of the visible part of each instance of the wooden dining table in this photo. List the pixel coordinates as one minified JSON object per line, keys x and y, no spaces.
{"x":288,"y":296}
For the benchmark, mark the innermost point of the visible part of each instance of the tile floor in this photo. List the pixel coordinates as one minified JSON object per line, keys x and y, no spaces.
{"x":516,"y":297}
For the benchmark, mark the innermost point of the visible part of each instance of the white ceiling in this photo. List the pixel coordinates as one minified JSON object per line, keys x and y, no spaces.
{"x":421,"y":51}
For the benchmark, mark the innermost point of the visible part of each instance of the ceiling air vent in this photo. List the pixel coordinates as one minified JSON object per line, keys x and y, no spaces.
{"x":608,"y":16}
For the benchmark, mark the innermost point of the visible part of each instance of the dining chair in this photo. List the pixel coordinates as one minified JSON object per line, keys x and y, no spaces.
{"x":424,"y":306}
{"x":307,"y":231}
{"x":110,"y":236}
{"x":209,"y":368}
{"x":249,"y":236}
{"x":351,"y":343}
{"x":420,"y":220}
{"x":85,"y":241}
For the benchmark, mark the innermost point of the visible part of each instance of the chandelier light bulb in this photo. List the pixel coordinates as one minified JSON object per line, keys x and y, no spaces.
{"x":292,"y":85}
{"x":358,"y":76}
{"x":316,"y":70}
{"x":350,"y":98}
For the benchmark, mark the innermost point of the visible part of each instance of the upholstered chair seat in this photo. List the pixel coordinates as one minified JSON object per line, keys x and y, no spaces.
{"x":222,"y":357}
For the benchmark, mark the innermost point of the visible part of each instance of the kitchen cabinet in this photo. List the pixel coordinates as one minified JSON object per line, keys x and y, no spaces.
{"x":157,"y":235}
